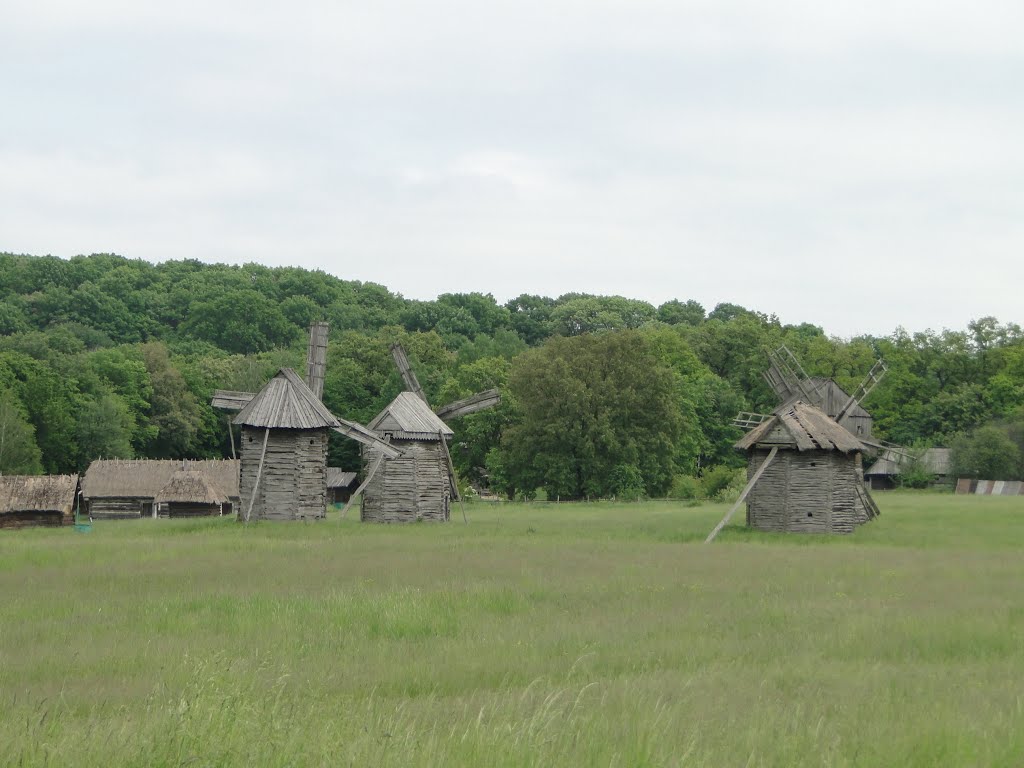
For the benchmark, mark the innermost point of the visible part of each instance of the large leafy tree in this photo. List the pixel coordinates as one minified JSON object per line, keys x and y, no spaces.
{"x":593,"y":409}
{"x":19,"y":454}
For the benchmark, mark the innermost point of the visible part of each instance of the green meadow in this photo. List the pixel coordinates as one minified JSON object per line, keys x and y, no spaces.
{"x":537,"y":635}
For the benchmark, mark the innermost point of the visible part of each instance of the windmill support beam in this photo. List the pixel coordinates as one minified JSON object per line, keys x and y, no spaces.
{"x":478,"y":402}
{"x":743,"y":496}
{"x":451,"y":476}
{"x":366,"y":482}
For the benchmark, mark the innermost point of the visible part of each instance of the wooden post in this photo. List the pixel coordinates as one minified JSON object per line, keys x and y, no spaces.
{"x":231,"y":435}
{"x":750,"y":485}
{"x":259,"y":474}
{"x":451,"y":476}
{"x":359,"y":490}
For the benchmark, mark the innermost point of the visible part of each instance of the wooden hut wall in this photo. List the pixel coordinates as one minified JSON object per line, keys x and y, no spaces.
{"x":293,"y":484}
{"x":120,"y":507}
{"x":413,"y":487}
{"x":806,"y":492}
{"x":31,"y":518}
{"x":188,"y":509}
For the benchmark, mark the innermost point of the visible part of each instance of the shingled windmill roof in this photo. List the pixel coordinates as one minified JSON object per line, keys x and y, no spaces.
{"x":804,"y":427}
{"x":285,"y":402}
{"x":407,"y":417}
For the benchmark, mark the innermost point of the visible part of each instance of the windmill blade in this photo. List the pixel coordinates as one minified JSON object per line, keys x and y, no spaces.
{"x":478,"y":402}
{"x":316,"y":358}
{"x":229,"y":400}
{"x":788,"y":378}
{"x":878,"y":370}
{"x":361,"y":434}
{"x":747,"y":490}
{"x":412,"y":384}
{"x":747,"y":420}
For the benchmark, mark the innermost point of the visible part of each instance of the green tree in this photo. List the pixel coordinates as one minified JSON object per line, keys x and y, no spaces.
{"x":104,"y":430}
{"x":587,"y":405}
{"x":19,"y":453}
{"x":174,"y":412}
{"x":988,"y":453}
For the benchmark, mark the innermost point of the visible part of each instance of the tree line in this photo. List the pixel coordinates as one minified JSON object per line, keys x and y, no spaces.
{"x":102,"y":356}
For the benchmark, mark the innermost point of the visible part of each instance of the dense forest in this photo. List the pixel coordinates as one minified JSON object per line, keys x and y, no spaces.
{"x":101,"y":356}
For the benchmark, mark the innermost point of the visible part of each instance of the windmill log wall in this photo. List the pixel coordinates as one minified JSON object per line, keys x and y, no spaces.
{"x":413,"y":487}
{"x":806,"y":492}
{"x":293,"y":482}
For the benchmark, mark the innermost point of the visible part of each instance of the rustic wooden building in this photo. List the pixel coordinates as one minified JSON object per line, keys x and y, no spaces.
{"x":418,"y":484}
{"x":190,"y":493}
{"x":811,"y":477}
{"x":340,"y":485}
{"x":885,"y":473}
{"x":284,"y":451}
{"x":27,"y":501}
{"x":127,"y":489}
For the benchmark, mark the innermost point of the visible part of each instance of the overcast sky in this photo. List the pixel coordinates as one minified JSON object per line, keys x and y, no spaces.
{"x":858,"y":165}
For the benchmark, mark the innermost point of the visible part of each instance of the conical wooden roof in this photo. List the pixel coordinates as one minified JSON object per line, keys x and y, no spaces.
{"x":804,"y":427}
{"x":285,"y":402}
{"x":408,"y":417}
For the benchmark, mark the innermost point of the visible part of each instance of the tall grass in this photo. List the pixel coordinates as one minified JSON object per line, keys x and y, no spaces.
{"x":600,"y":634}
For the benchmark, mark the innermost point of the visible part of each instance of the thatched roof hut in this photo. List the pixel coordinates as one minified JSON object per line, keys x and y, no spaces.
{"x":190,"y":493}
{"x":815,"y":482}
{"x":37,"y":500}
{"x":284,"y":451}
{"x":128,"y":488}
{"x":418,"y":484}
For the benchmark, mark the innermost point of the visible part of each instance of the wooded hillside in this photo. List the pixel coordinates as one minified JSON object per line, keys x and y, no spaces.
{"x":102,"y":356}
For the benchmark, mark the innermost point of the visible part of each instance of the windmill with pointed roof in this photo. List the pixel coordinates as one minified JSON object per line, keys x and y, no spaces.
{"x":804,"y":475}
{"x":284,"y":429}
{"x":421,"y":483}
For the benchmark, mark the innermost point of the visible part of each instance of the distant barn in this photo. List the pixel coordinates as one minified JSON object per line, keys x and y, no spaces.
{"x":885,"y":473}
{"x":812,"y":478}
{"x":129,"y":489}
{"x":27,"y":501}
{"x":340,"y":485}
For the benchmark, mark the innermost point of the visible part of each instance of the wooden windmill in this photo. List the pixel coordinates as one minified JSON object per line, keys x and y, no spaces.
{"x":420,"y":484}
{"x":284,"y":440}
{"x":804,"y":460}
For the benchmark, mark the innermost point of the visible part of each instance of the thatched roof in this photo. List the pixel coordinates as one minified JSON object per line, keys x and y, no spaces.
{"x":191,"y":487}
{"x":409,"y":418}
{"x":145,"y":478}
{"x":285,"y":402}
{"x":24,"y":493}
{"x":803,"y":427}
{"x":338,"y":478}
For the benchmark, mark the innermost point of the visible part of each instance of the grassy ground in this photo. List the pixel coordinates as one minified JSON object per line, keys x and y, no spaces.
{"x":539,"y":635}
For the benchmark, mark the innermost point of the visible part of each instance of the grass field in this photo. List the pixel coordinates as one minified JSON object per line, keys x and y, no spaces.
{"x":544,"y":635}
